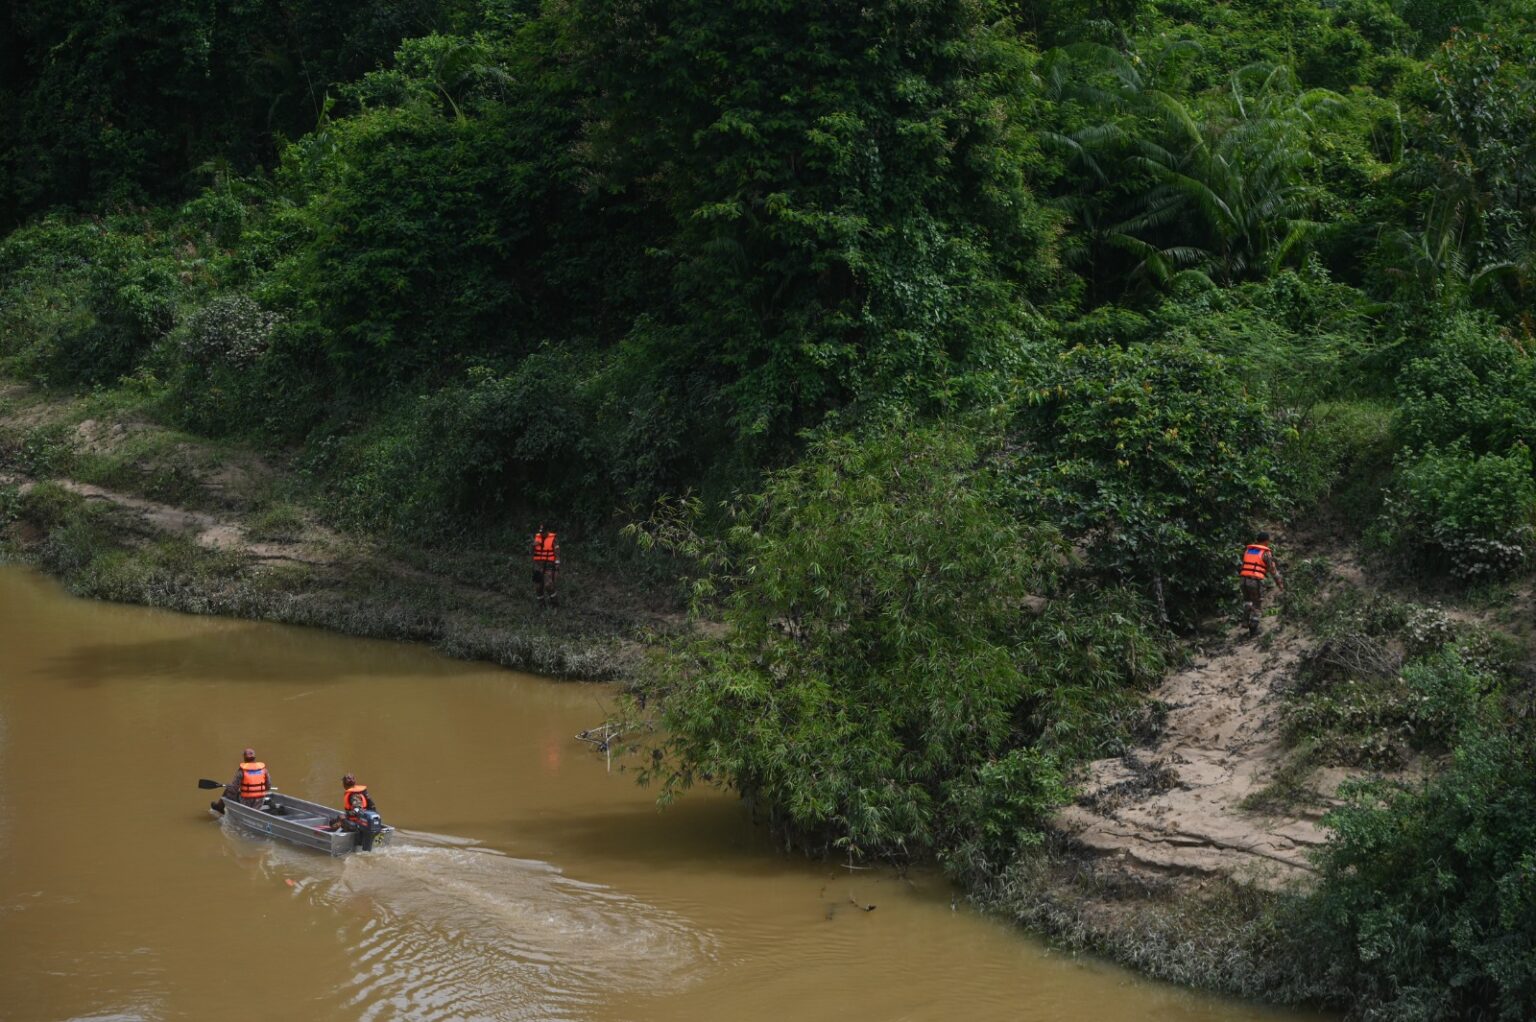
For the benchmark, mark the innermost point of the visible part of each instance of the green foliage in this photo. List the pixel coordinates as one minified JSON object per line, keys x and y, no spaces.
{"x":10,"y":506}
{"x":843,"y":203}
{"x":1433,"y":20}
{"x":41,"y":451}
{"x":231,"y":330}
{"x":1297,"y":337}
{"x":112,"y":102}
{"x":1463,"y":498}
{"x":1156,"y":459}
{"x":1361,"y":718}
{"x":473,"y":452}
{"x":48,"y":504}
{"x":425,"y":215}
{"x":1217,"y":190}
{"x":1475,"y":385}
{"x":1471,"y":172}
{"x":884,"y":683}
{"x":1427,"y":904}
{"x":573,"y":255}
{"x":83,"y":302}
{"x":1059,"y":22}
{"x":1472,"y":515}
{"x":1339,"y":453}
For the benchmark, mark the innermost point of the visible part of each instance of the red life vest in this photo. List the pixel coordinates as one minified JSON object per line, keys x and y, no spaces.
{"x":1254,"y":565}
{"x":347,"y":799}
{"x":253,"y":780}
{"x":544,"y":548}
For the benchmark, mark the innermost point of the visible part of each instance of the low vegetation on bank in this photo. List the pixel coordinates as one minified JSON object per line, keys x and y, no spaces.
{"x":946,"y":351}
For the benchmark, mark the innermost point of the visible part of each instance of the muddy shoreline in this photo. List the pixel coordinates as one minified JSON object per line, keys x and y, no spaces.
{"x":213,"y":550}
{"x":122,"y":509}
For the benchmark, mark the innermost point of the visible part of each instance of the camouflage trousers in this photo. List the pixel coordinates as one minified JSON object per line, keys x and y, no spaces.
{"x":1253,"y":599}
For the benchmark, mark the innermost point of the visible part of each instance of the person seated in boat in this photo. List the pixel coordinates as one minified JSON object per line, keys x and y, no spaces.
{"x":251,"y":784}
{"x":354,"y":801}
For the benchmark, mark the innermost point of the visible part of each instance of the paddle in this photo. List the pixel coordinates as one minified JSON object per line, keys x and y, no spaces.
{"x":207,"y":785}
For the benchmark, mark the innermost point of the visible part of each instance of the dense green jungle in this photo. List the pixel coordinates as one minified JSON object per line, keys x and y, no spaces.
{"x":947,"y":350}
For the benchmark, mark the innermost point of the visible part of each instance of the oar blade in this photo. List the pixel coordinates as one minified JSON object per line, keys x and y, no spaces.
{"x":207,"y":785}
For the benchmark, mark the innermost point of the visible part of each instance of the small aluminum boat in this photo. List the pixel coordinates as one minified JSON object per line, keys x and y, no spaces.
{"x":299,"y":822}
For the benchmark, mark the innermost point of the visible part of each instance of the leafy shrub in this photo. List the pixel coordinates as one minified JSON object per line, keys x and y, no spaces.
{"x":1368,"y":718}
{"x":1473,"y":516}
{"x":83,"y":302}
{"x":49,"y":504}
{"x":1426,"y":907}
{"x":41,"y":451}
{"x":10,"y":505}
{"x":108,"y":105}
{"x":884,"y":684}
{"x":231,"y":329}
{"x":1295,"y":338}
{"x":1445,"y":694}
{"x":480,"y":448}
{"x":1156,"y":458}
{"x":867,"y":240}
{"x":1339,"y":452}
{"x":1474,"y":385}
{"x":408,"y":227}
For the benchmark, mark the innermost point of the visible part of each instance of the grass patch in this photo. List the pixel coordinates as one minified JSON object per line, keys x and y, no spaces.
{"x":48,"y":505}
{"x":147,"y":462}
{"x":1226,"y":937}
{"x":41,"y":451}
{"x":10,"y":505}
{"x":279,"y":523}
{"x":1287,"y":790}
{"x":1389,"y":677}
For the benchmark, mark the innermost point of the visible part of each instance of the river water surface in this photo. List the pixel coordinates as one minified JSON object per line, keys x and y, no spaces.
{"x":526,"y":883}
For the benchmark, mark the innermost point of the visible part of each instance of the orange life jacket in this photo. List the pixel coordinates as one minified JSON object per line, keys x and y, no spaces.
{"x":544,"y":548}
{"x":346,"y":799}
{"x":253,"y":780}
{"x":1253,"y":562}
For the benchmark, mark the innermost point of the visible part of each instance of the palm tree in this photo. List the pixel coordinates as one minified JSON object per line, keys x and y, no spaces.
{"x":1217,"y":191}
{"x":1229,"y":194}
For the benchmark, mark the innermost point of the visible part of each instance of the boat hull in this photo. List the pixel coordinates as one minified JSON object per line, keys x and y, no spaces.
{"x":298,"y":822}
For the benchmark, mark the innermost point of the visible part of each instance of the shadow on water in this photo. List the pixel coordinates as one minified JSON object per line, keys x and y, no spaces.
{"x":249,"y":654}
{"x":688,"y":836}
{"x":443,"y":928}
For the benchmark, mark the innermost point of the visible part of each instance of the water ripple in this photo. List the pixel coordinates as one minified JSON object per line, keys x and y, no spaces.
{"x":452,"y":930}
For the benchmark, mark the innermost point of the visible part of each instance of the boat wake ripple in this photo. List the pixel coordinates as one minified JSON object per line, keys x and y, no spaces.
{"x":443,"y":929}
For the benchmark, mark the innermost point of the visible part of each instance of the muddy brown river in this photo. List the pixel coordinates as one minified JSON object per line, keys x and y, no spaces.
{"x":526,"y":881}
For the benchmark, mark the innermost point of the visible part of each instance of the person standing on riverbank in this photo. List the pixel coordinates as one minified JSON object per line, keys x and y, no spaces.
{"x":546,"y":567}
{"x":1258,"y":564}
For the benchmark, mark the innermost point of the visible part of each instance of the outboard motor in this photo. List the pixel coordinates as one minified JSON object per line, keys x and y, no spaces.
{"x":370,"y":826}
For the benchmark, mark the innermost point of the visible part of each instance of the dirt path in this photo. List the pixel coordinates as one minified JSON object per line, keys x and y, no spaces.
{"x":278,"y":562}
{"x":210,"y":531}
{"x":1175,"y":806}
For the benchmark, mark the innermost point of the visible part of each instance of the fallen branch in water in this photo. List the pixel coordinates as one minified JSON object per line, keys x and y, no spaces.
{"x":603,"y":736}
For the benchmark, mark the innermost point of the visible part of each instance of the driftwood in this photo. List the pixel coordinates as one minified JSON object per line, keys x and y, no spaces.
{"x":602,"y":737}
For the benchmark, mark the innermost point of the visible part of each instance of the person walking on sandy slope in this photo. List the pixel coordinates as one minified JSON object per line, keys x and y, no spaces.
{"x":1258,"y":564}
